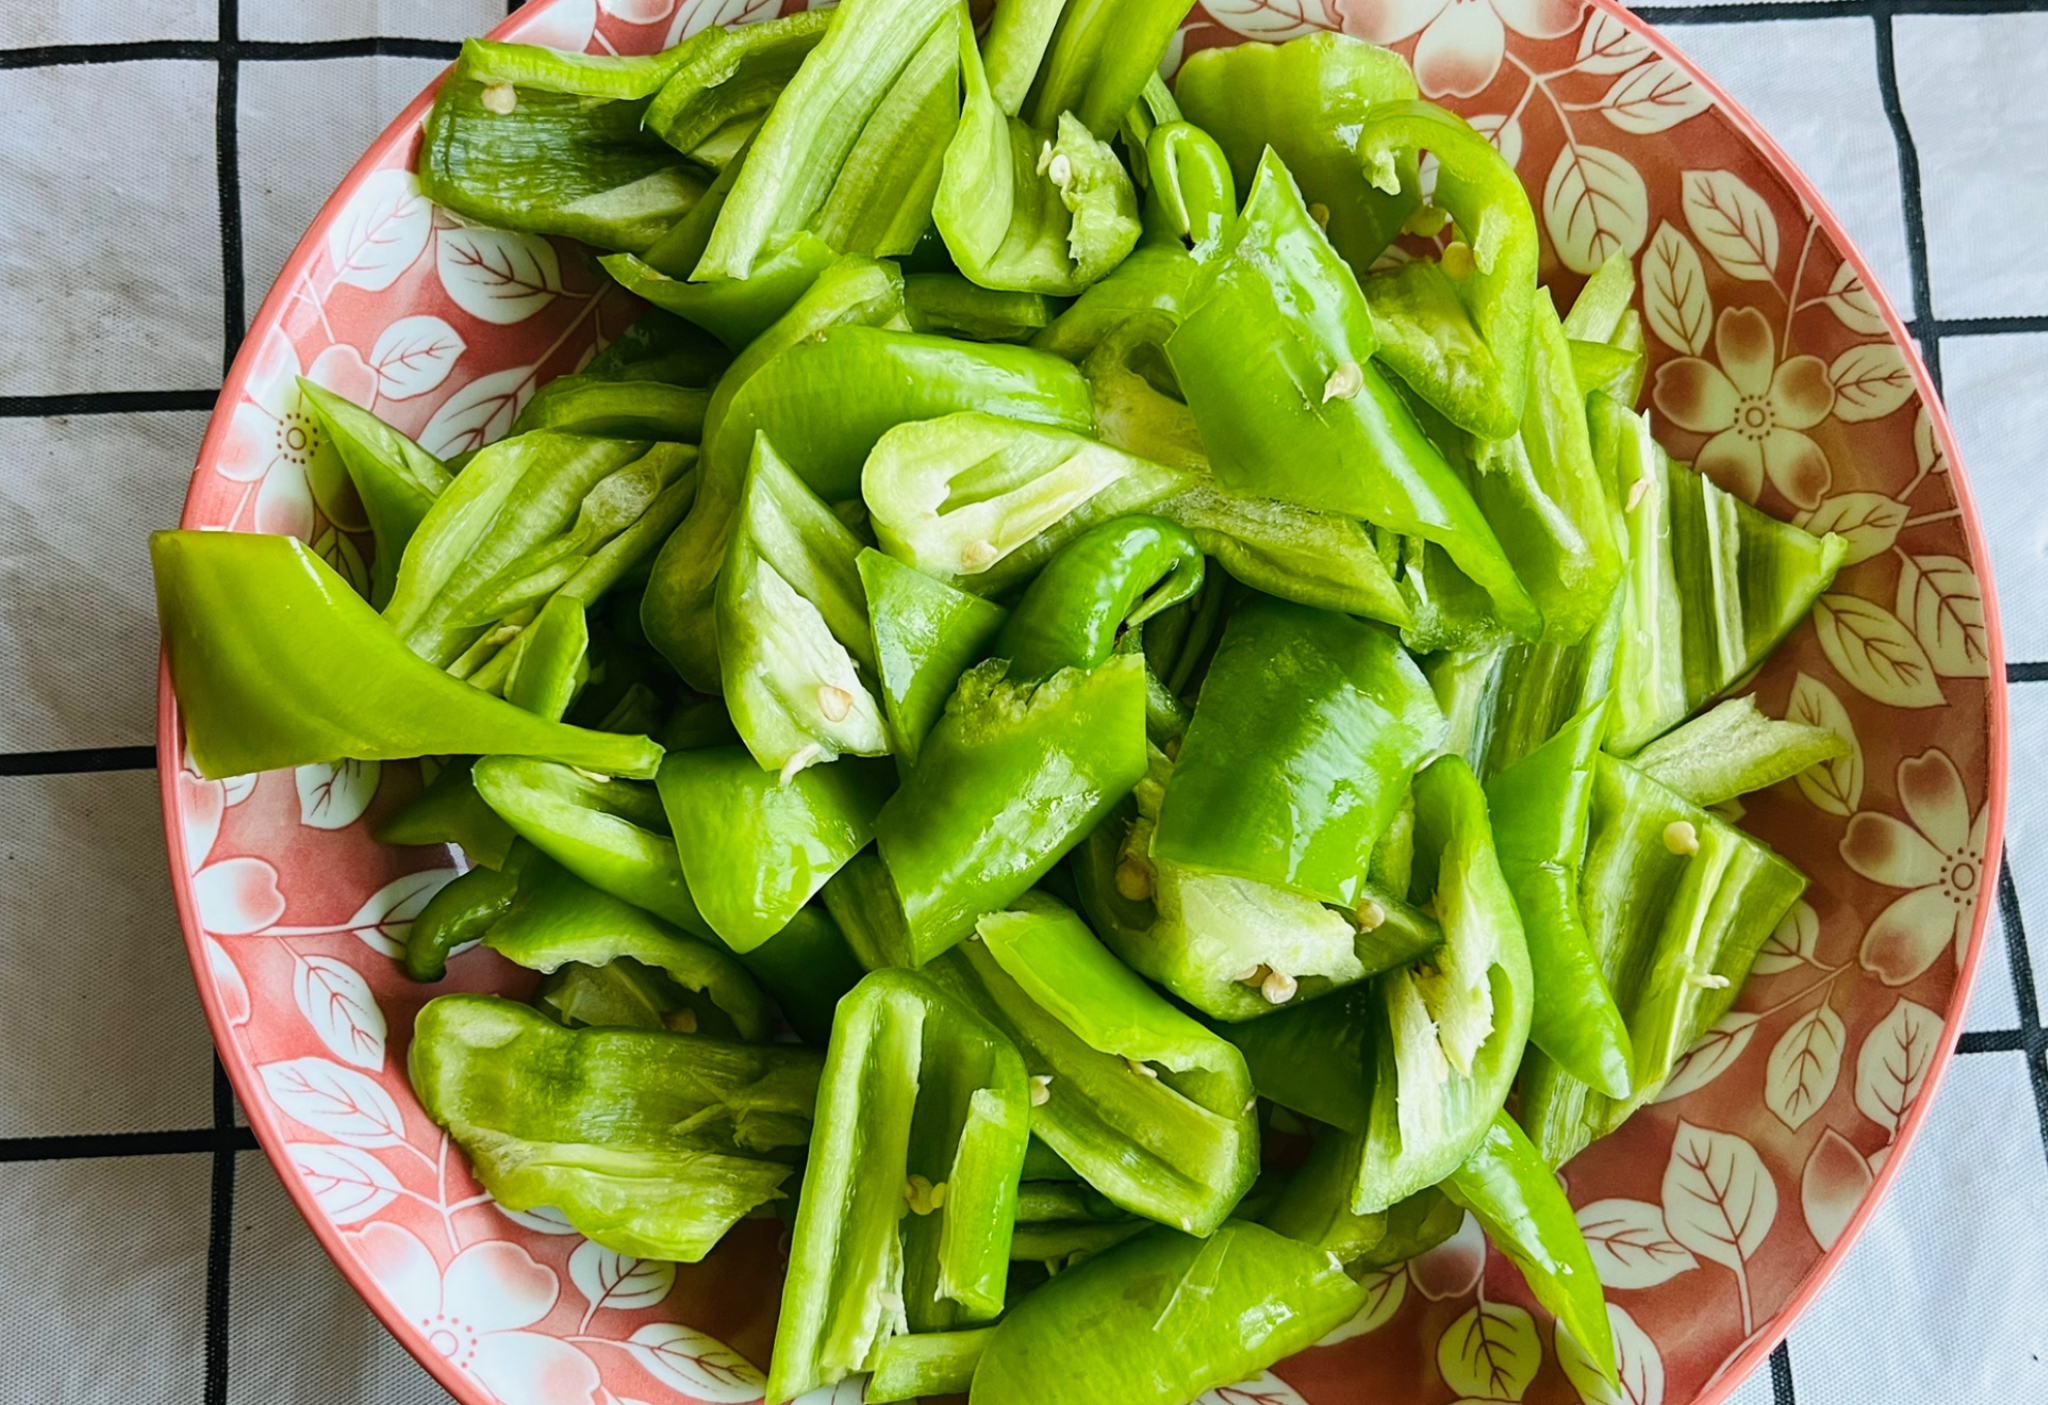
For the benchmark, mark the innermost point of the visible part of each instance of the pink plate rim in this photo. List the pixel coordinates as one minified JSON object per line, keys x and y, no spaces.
{"x":263,"y":1120}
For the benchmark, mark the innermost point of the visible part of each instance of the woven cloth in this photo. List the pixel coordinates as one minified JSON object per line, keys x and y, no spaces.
{"x":158,"y":160}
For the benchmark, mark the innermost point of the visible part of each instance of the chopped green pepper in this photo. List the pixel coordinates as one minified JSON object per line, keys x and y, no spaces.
{"x":1155,"y":278}
{"x":277,"y":662}
{"x":950,"y":304}
{"x":1732,"y":750}
{"x":910,"y":1190}
{"x":460,"y":914}
{"x":449,"y":811}
{"x":926,"y":635}
{"x":616,"y":409}
{"x":396,"y":479}
{"x":1112,"y":577}
{"x":926,"y":1363}
{"x":725,"y":76}
{"x":550,"y":659}
{"x":1189,"y":182}
{"x":651,"y":1143}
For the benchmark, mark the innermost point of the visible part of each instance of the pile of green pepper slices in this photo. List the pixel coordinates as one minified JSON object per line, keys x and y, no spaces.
{"x":1110,"y":662}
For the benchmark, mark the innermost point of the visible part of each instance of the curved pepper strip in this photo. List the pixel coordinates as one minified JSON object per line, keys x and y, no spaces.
{"x":950,"y":305}
{"x":650,"y":1143}
{"x":794,"y":647}
{"x":550,"y":659}
{"x":1309,"y":727}
{"x":277,"y":662}
{"x":571,"y":156}
{"x":725,"y":75}
{"x":1542,"y":806}
{"x":754,"y":848}
{"x":1274,"y":358}
{"x":982,"y":502}
{"x":610,"y":833}
{"x":851,"y":136}
{"x":449,"y":811}
{"x":1675,"y":932}
{"x":926,"y":1363}
{"x":1012,"y":777}
{"x":1034,"y":207}
{"x":1165,"y":1317}
{"x":926,"y":635}
{"x":396,"y":479}
{"x":1524,"y":1211}
{"x":1734,"y":749}
{"x":1190,"y":181}
{"x":1482,"y":194}
{"x":735,"y":310}
{"x":676,"y":610}
{"x":1112,"y":577}
{"x":1316,"y":1059}
{"x":1151,"y":1108}
{"x":1448,"y":1036}
{"x":1306,"y":99}
{"x":616,"y":409}
{"x":1100,"y":57}
{"x":461,"y":913}
{"x":1155,"y":278}
{"x":918,"y":1092}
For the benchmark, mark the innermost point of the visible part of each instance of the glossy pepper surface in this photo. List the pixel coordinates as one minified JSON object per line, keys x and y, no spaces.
{"x":1455,"y":1027}
{"x":1733,"y":749}
{"x":278,"y":663}
{"x":1148,"y":1106}
{"x":651,"y":1143}
{"x":1309,"y":726}
{"x":1274,"y":358}
{"x":910,"y":1189}
{"x":926,"y":635}
{"x":754,"y":848}
{"x":1541,"y":807}
{"x":1112,"y":577}
{"x":1164,"y":1318}
{"x":1011,"y":777}
{"x":395,"y":478}
{"x":726,"y":77}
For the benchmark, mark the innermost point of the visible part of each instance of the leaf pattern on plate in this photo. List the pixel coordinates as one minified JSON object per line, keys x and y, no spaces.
{"x":337,"y":1003}
{"x":1869,"y":522}
{"x":1733,"y":223}
{"x":689,"y":1360}
{"x":1804,"y":1066}
{"x":1675,"y":301}
{"x":1941,"y":597}
{"x":1491,"y":1352}
{"x":1832,"y":1186}
{"x":335,"y":796}
{"x":349,"y":1185}
{"x":1631,"y":1246}
{"x":608,"y":1279}
{"x":1710,"y":1056}
{"x":1893,"y":1062}
{"x":1594,"y":205}
{"x":1875,"y":653}
{"x":1638,"y":1364}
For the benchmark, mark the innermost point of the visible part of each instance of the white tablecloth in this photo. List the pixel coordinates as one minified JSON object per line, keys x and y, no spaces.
{"x":158,"y":159}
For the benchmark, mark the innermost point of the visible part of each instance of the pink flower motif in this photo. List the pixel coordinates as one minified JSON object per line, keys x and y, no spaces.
{"x":474,"y":1314}
{"x":1463,"y":41}
{"x":1756,"y":409}
{"x":235,"y":896}
{"x":1940,"y":856}
{"x":274,"y":441}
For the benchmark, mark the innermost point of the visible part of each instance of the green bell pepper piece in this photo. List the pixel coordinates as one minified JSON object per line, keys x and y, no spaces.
{"x":880,"y":78}
{"x":735,"y":310}
{"x":1449,"y":1034}
{"x":1597,"y":366}
{"x":1540,"y":687}
{"x":396,"y":479}
{"x":1011,"y":777}
{"x":1677,"y":902}
{"x":1315,"y":1207}
{"x":755,"y":849}
{"x":677,"y":610}
{"x":949,"y":304}
{"x":617,"y":409}
{"x":1151,"y":1108}
{"x":537,"y":140}
{"x":457,"y":916}
{"x":926,"y":635}
{"x":1274,"y":358}
{"x":612,"y":834}
{"x":1048,"y":1201}
{"x":1138,"y":403}
{"x":794,"y":646}
{"x":1234,"y":949}
{"x":1524,"y":1211}
{"x":729,"y":75}
{"x":1062,"y":1244}
{"x":550,"y":659}
{"x":1112,"y":577}
{"x":1296,"y":553}
{"x":808,"y":967}
{"x":927,"y":1363}
{"x":1316,"y":1060}
{"x":555,"y":918}
{"x":627,"y":994}
{"x":652,"y":1144}
{"x":1309,"y":726}
{"x":1733,"y":749}
{"x":1494,"y":283}
{"x":1101,"y":56}
{"x":862,"y":899}
{"x":527,"y":518}
{"x":1596,"y":313}
{"x":1189,"y":182}
{"x":1162,"y":1319}
{"x":1542,"y":806}
{"x":982,"y":502}
{"x":1033,"y":207}
{"x":277,"y":662}
{"x":1155,"y":278}
{"x":447,"y":810}
{"x":918,"y":1092}
{"x":1467,"y":687}
{"x":659,"y":346}
{"x":1544,"y":496}
{"x":1306,"y":100}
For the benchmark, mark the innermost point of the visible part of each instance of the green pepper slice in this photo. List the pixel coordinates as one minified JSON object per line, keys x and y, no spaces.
{"x":1112,"y":577}
{"x":1733,"y":749}
{"x":277,"y":662}
{"x":926,"y":635}
{"x":396,"y":479}
{"x":651,"y":1143}
{"x":949,"y":304}
{"x":729,"y":75}
{"x":447,"y":810}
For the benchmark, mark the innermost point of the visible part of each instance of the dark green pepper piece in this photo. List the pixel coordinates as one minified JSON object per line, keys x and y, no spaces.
{"x":449,"y":811}
{"x":1155,"y":278}
{"x":277,"y":662}
{"x":949,"y":304}
{"x":918,"y":1364}
{"x":653,"y":1144}
{"x":1113,"y":577}
{"x":725,"y":75}
{"x":657,"y":346}
{"x":456,"y":916}
{"x":1190,"y":181}
{"x":808,"y":967}
{"x":735,"y":310}
{"x":617,"y":409}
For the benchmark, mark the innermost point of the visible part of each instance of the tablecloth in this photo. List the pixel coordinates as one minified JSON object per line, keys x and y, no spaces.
{"x":158,"y":160}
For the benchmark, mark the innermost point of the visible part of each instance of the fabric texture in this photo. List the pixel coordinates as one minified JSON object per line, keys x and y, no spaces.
{"x":150,"y":1254}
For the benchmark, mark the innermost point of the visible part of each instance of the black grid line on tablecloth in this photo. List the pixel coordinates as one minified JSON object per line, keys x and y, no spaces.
{"x":229,"y":51}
